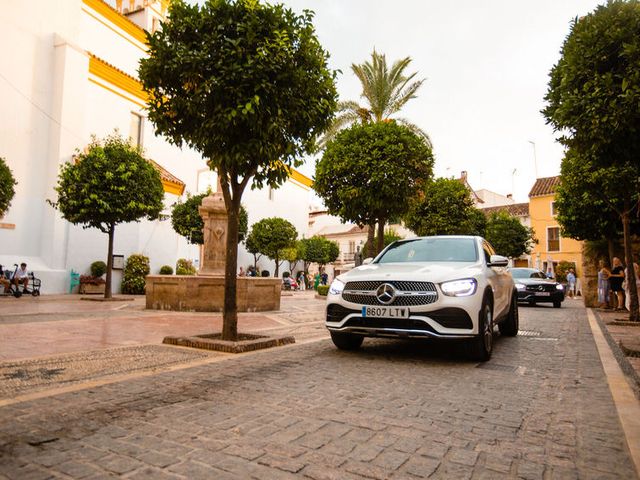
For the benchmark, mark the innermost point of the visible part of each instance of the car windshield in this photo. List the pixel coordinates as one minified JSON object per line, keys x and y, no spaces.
{"x":439,"y":249}
{"x":526,"y":273}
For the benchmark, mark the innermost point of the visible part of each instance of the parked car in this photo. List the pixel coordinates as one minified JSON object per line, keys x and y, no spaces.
{"x":534,"y":287}
{"x":445,"y":287}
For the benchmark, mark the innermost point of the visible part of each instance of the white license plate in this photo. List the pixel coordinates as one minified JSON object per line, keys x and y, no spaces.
{"x":542,"y":294}
{"x":385,"y":312}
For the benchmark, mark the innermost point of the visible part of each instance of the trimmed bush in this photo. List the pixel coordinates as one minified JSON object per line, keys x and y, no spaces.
{"x":265,"y":273}
{"x":286,"y":274}
{"x":135,"y":271}
{"x":166,"y":270}
{"x":185,"y":267}
{"x":98,"y":269}
{"x":323,"y":290}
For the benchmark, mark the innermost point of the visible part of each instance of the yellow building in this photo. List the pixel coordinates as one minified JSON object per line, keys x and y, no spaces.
{"x":552,"y":247}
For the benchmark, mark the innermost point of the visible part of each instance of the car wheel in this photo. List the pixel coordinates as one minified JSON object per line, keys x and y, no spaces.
{"x":481,"y":347}
{"x":557,"y":304}
{"x":509,"y":327}
{"x":346,"y":341}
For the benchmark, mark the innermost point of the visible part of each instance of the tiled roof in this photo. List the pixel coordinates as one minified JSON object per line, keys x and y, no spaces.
{"x":168,"y":177}
{"x":516,"y":209}
{"x":544,"y":186}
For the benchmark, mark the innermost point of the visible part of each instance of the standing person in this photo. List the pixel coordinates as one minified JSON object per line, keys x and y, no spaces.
{"x":615,"y":283}
{"x":324,"y":277}
{"x":603,"y":284}
{"x":21,"y":276}
{"x":627,"y":297}
{"x":571,"y":280}
{"x":316,"y":281}
{"x":550,"y":272}
{"x":301,"y":282}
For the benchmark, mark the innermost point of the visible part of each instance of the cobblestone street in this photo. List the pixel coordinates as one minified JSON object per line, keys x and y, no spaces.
{"x":540,"y":409}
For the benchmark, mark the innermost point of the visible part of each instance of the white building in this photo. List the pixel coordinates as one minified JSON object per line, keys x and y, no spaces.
{"x":68,"y":70}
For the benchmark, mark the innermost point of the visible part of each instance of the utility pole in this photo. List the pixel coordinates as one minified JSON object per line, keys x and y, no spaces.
{"x":535,"y":158}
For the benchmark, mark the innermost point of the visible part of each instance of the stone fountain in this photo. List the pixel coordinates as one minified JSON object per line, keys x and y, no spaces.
{"x":205,"y":292}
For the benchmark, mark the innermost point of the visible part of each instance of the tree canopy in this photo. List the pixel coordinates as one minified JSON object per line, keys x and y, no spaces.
{"x":508,"y":236}
{"x":318,"y":250}
{"x":443,"y":207}
{"x":247,"y":85}
{"x":7,"y":184}
{"x":110,"y":184}
{"x":593,"y":100}
{"x":369,"y":172}
{"x":187,"y":222}
{"x":271,"y":236}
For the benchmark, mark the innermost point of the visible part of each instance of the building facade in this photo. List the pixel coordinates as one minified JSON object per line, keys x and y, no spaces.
{"x":68,"y":72}
{"x":552,"y":247}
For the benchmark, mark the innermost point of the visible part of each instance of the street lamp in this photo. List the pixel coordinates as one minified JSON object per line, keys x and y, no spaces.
{"x":535,"y":158}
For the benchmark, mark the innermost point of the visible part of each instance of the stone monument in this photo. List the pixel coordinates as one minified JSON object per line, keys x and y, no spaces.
{"x":205,"y":292}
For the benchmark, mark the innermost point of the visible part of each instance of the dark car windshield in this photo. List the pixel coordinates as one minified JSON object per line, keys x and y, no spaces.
{"x":526,"y":273}
{"x":439,"y":249}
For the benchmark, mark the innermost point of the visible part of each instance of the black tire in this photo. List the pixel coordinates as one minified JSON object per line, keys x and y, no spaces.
{"x":346,"y":341}
{"x":509,"y":326}
{"x":532,"y":303}
{"x":480,"y":348}
{"x":557,"y":304}
{"x":17,"y":294}
{"x":36,"y":293}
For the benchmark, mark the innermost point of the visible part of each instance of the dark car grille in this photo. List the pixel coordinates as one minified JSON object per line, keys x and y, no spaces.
{"x":401,"y":286}
{"x":336,"y":312}
{"x":542,"y":287}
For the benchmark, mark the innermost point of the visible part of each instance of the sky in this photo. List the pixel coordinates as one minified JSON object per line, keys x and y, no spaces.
{"x":486,"y":65}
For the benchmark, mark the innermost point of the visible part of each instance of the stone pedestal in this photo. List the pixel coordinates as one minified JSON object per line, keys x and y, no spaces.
{"x":189,"y":293}
{"x":214,"y":215}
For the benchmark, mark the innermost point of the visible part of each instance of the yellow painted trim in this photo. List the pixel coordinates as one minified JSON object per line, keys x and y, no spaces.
{"x":116,"y":31}
{"x":172,"y":187}
{"x":118,"y":78}
{"x":115,"y":18}
{"x":118,"y":93}
{"x":300,"y":178}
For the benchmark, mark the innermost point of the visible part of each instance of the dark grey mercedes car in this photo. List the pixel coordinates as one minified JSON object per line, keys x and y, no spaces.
{"x":534,"y":287}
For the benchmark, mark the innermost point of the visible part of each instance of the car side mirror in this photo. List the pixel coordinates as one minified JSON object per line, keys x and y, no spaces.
{"x":498,"y":261}
{"x":367,"y":261}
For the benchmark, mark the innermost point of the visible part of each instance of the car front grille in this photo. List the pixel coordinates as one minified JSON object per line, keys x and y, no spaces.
{"x":541,"y":288}
{"x":409,"y":294}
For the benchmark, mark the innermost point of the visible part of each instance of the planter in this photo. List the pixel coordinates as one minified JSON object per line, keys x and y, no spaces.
{"x":90,"y":289}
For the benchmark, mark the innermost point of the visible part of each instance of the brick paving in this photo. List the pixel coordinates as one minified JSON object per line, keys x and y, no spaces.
{"x":541,"y":409}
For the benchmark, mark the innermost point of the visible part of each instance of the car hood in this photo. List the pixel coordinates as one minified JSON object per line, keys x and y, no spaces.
{"x":417,"y":272}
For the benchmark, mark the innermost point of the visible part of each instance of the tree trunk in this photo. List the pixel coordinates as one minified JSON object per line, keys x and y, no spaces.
{"x":371,"y":233}
{"x":612,"y":251}
{"x":107,"y":285}
{"x":230,"y":313}
{"x":277,"y":272}
{"x":632,"y":289}
{"x":380,"y":245}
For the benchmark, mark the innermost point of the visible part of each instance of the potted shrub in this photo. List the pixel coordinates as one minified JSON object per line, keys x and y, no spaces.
{"x":94,"y":283}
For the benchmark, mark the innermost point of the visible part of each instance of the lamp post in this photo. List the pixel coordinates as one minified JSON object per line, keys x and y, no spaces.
{"x":535,"y":158}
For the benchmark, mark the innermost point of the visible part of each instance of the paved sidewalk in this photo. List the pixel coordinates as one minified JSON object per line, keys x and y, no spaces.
{"x":540,"y":409}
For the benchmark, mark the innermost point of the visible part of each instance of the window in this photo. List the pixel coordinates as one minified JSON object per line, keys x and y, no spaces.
{"x":554,"y":212}
{"x":135,"y":129}
{"x":352,"y":246}
{"x":553,"y":239}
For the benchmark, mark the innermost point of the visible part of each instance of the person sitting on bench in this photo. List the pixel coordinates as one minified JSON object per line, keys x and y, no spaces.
{"x":22,"y":276}
{"x":4,"y":281}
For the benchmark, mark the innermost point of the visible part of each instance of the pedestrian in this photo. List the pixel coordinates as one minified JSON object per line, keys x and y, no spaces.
{"x":603,"y":284}
{"x":550,"y":272}
{"x":627,"y":297}
{"x":324,"y":278}
{"x":616,"y":277}
{"x":316,"y":281}
{"x":301,"y":282}
{"x":571,"y":281}
{"x":242,"y":273}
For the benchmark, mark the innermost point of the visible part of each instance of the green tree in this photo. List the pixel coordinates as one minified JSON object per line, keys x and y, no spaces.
{"x":187,"y":222}
{"x":272,"y":236}
{"x":508,"y":236}
{"x":292,"y":256}
{"x":252,"y":246}
{"x":593,"y":100}
{"x":7,"y":184}
{"x":246,"y":84}
{"x":318,"y":250}
{"x":443,"y":207}
{"x":110,"y":184}
{"x":390,"y":236}
{"x":369,"y":172}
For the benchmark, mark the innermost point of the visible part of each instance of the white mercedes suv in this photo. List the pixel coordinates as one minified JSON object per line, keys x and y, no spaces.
{"x":445,"y":287}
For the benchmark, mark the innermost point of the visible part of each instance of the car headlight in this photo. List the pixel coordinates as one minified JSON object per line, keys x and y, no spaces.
{"x":559,"y":286}
{"x":336,"y":287}
{"x":459,"y":288}
{"x":520,"y":286}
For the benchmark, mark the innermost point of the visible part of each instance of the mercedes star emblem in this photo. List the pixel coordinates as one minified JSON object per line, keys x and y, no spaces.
{"x":386,"y":293}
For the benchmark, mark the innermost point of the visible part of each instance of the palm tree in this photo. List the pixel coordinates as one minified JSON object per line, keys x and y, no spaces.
{"x":385,"y":90}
